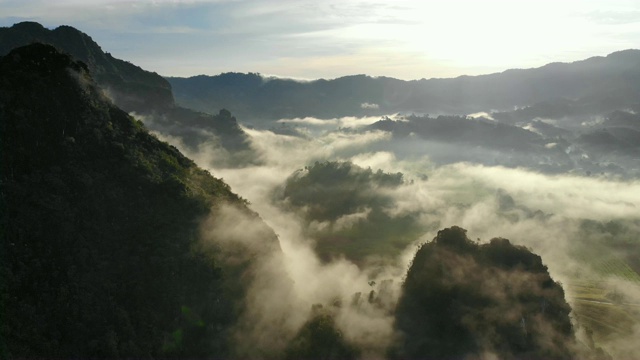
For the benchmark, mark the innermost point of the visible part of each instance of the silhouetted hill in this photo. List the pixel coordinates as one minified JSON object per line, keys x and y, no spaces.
{"x":562,"y":108}
{"x":623,"y":119}
{"x":457,"y":129}
{"x":99,"y":225}
{"x":347,"y":210}
{"x":464,"y":300}
{"x":132,"y":88}
{"x":621,"y":140}
{"x":610,"y":80}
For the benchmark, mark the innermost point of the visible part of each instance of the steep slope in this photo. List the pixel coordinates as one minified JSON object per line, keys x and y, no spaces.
{"x":604,"y":82}
{"x":100,"y":225}
{"x":132,"y":88}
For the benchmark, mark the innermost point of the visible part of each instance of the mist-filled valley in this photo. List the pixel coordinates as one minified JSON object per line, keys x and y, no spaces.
{"x":487,"y":217}
{"x":351,"y":205}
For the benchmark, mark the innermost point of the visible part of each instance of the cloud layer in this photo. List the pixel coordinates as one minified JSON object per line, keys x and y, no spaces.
{"x":544,"y":213}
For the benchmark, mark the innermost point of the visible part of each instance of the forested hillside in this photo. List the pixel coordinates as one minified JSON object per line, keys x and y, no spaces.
{"x":461,"y":299}
{"x":100,"y":226}
{"x":347,"y":210}
{"x":136,"y":90}
{"x":598,"y":84}
{"x":116,"y":245}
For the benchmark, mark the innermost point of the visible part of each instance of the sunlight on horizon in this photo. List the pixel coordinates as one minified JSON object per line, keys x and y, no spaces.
{"x":406,"y":39}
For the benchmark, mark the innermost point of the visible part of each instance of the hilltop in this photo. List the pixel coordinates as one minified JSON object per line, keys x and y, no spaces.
{"x":136,"y":90}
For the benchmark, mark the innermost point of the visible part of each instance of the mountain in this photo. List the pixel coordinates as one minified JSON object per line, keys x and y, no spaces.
{"x":603,"y":82}
{"x":463,"y":130}
{"x":449,"y":139}
{"x":132,"y":88}
{"x":465,"y":300}
{"x":100,"y":226}
{"x":348,"y":210}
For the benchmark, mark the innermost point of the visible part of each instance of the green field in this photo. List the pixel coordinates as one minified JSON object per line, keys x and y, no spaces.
{"x":603,"y":299}
{"x":605,"y":265}
{"x":604,"y":311}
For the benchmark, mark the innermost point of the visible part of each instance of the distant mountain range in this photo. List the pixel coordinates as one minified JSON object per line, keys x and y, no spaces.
{"x":597,"y":84}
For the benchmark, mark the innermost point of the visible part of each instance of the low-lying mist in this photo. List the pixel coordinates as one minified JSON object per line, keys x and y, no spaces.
{"x":575,"y":223}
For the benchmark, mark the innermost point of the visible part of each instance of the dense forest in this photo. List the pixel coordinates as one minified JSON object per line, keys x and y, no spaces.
{"x":461,"y":298}
{"x":100,"y":222}
{"x":345,"y":209}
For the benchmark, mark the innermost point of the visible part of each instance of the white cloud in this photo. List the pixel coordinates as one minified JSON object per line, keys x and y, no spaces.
{"x":460,"y":194}
{"x":334,"y":123}
{"x":309,"y":121}
{"x":367,"y":105}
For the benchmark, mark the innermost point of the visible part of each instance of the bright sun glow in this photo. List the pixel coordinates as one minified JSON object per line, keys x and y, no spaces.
{"x":480,"y":34}
{"x":406,"y":39}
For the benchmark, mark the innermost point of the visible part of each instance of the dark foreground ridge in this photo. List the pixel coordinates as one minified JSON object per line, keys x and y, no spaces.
{"x":99,"y":226}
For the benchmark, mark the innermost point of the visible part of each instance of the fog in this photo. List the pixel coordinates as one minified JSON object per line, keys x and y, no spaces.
{"x":543,"y":212}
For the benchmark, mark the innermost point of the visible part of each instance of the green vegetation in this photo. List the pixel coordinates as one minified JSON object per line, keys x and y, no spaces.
{"x":606,"y":320}
{"x":100,"y":254}
{"x":136,"y":90}
{"x":603,"y":310}
{"x":99,"y":226}
{"x":333,"y":189}
{"x":611,"y":251}
{"x":463,"y":299}
{"x":133,"y":89}
{"x":612,"y":248}
{"x":319,"y":339}
{"x":348,"y":210}
{"x":607,"y":265}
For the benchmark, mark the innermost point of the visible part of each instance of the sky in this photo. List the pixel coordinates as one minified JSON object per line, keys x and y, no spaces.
{"x":310,"y":39}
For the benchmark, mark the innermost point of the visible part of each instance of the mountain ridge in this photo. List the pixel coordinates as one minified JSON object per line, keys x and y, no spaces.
{"x":148,"y":89}
{"x":253,"y":96}
{"x":136,"y":90}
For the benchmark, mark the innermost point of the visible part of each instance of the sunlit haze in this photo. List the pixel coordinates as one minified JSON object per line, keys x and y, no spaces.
{"x":327,"y":39}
